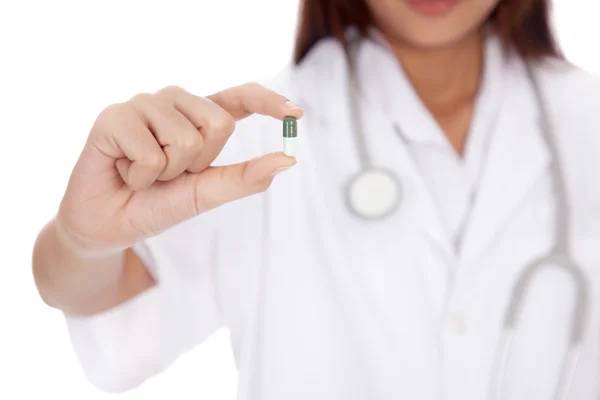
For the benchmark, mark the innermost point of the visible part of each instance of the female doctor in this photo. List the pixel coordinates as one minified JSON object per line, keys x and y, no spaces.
{"x":443,"y":149}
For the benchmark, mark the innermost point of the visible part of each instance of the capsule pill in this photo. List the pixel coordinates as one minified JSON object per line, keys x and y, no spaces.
{"x":290,"y":132}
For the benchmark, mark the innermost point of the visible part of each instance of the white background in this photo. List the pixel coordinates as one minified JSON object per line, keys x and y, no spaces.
{"x":61,"y":63}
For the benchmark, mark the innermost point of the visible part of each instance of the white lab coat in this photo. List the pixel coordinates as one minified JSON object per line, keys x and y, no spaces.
{"x":321,"y":305}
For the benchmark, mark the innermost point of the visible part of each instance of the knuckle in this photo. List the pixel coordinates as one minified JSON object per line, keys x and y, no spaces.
{"x":113,"y":117}
{"x":254,"y":86}
{"x":115,"y":111}
{"x":256,"y":97}
{"x":191,"y":143}
{"x":155,"y":161}
{"x":141,"y":98}
{"x":170,"y":92}
{"x":223,"y":123}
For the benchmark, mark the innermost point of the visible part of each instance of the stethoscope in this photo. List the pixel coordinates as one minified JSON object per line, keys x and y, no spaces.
{"x":375,"y":193}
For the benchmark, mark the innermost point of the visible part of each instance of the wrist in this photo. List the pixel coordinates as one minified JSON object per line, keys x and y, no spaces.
{"x":80,"y":246}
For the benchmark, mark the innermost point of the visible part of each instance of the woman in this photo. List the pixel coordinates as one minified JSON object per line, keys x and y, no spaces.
{"x":162,"y":238}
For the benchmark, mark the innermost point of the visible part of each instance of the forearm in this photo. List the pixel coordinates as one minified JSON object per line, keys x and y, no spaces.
{"x":84,"y":282}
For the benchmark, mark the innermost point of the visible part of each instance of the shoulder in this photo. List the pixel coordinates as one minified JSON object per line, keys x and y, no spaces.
{"x":572,"y":95}
{"x":572,"y":90}
{"x":573,"y":98}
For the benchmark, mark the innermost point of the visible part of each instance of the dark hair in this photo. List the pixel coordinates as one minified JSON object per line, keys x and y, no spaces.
{"x":523,"y":25}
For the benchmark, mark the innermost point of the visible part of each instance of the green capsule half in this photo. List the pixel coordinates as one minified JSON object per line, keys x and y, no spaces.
{"x":290,"y":127}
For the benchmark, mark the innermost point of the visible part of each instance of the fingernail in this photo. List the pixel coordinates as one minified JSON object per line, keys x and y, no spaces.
{"x":292,"y":106}
{"x":280,"y":170}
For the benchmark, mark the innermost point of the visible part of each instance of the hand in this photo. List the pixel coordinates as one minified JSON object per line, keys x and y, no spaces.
{"x":146,"y":165}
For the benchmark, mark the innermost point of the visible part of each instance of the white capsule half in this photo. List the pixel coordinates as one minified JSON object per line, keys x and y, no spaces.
{"x":289,"y":146}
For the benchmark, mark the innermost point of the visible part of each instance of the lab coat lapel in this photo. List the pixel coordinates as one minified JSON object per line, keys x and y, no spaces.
{"x":395,"y":108}
{"x":417,"y":203}
{"x":516,"y":158}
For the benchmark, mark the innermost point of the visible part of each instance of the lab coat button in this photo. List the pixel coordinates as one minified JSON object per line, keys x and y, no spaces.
{"x":458,"y":323}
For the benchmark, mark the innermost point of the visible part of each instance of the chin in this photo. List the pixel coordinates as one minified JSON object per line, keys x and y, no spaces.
{"x":436,"y":38}
{"x":431,"y":42}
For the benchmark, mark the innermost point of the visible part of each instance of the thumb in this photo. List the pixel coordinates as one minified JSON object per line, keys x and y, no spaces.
{"x":219,"y":185}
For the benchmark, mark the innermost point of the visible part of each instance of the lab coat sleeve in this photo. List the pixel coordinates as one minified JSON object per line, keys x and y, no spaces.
{"x":121,"y":348}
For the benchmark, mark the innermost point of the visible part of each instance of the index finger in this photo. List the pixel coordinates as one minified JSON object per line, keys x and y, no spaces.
{"x":252,"y":98}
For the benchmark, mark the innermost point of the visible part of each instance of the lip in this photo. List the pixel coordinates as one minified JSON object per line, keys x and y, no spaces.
{"x":432,"y":7}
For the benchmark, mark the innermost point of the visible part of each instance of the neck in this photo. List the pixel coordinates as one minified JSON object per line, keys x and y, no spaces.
{"x":447,"y":81}
{"x":444,"y":77}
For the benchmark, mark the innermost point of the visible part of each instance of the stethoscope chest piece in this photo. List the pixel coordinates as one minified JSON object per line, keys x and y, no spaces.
{"x":374,"y":194}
